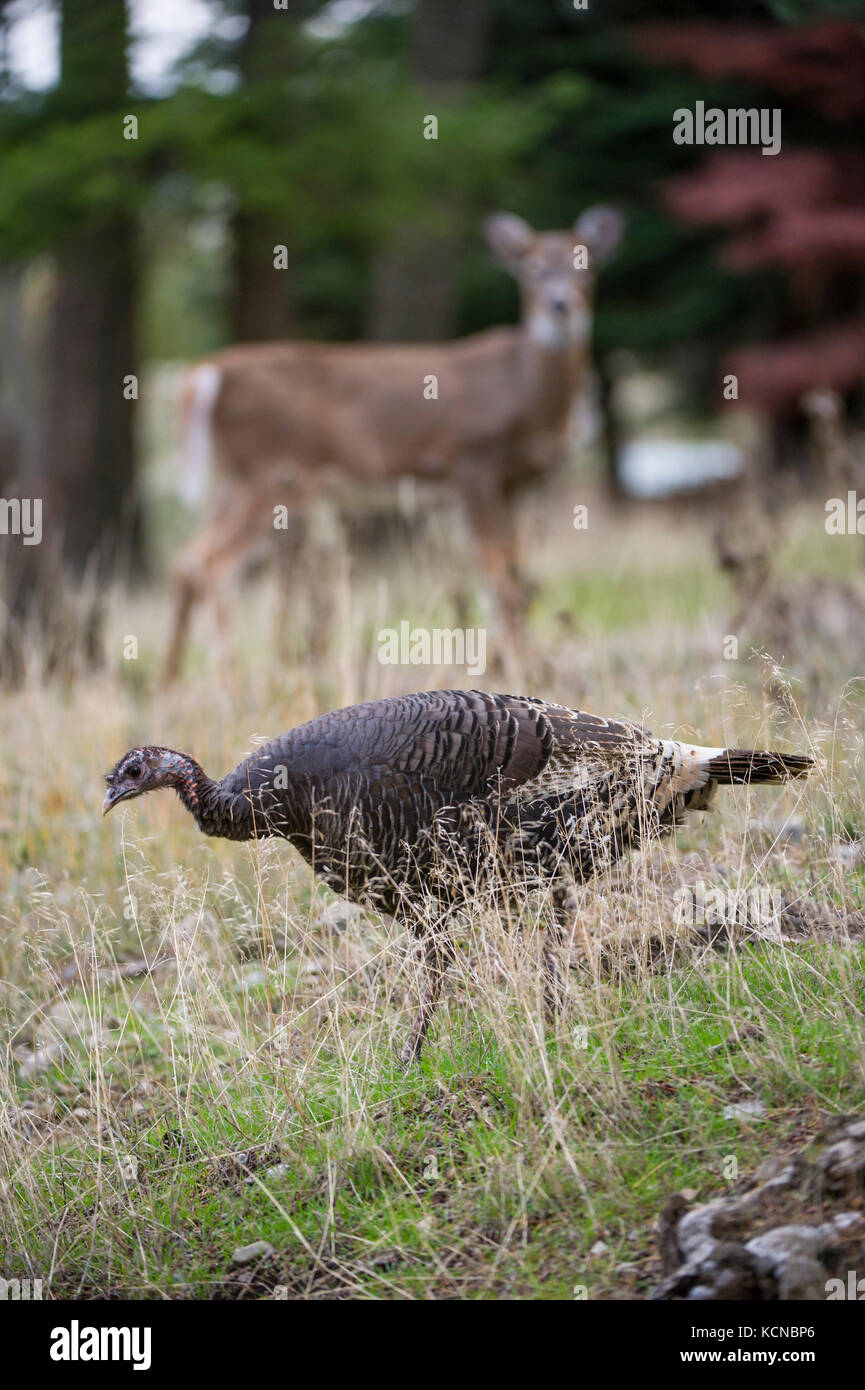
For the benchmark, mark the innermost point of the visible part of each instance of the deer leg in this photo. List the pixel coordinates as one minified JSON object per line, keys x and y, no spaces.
{"x":290,"y":557}
{"x":492,"y":520}
{"x":200,"y":573}
{"x":437,"y":956}
{"x":215,"y":554}
{"x":184,"y":599}
{"x":222,"y":615}
{"x":326,"y":545}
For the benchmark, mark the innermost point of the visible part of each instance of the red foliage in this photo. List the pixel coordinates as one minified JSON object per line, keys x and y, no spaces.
{"x":776,"y":375}
{"x":801,"y":205}
{"x":821,"y":65}
{"x":802,"y":209}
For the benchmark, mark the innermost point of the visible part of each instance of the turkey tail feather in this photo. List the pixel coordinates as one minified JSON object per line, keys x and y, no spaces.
{"x":740,"y":765}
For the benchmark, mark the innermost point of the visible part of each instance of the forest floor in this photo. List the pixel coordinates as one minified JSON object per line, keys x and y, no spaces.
{"x":199,"y":1044}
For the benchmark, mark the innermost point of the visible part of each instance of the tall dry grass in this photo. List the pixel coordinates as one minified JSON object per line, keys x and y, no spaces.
{"x":199,"y":1045}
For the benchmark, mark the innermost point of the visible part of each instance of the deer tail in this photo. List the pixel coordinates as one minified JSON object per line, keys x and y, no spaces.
{"x":199,"y":397}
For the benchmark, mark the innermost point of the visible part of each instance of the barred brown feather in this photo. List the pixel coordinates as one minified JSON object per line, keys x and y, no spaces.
{"x":742,"y":765}
{"x":412,"y":803}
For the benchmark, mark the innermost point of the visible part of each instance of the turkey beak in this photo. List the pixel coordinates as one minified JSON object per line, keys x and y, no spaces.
{"x":112,"y":796}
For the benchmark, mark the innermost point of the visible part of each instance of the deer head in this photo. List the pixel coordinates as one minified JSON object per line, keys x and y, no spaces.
{"x":556,"y":270}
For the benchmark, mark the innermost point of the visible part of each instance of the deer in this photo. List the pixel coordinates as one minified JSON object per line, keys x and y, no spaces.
{"x":487,"y":415}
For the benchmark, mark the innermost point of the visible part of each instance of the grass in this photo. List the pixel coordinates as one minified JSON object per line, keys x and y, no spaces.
{"x":199,"y":1044}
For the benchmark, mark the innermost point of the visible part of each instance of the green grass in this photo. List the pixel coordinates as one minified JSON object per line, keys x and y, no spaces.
{"x":494,"y":1166}
{"x":198,"y":1055}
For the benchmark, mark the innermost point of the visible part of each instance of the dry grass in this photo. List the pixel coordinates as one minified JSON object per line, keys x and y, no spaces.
{"x":199,"y":1047}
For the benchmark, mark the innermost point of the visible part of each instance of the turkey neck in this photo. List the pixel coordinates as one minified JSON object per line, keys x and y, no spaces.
{"x":215,"y":810}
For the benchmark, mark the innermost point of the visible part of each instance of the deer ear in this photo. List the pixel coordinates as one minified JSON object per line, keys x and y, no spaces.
{"x":509,"y":237}
{"x":600,"y":229}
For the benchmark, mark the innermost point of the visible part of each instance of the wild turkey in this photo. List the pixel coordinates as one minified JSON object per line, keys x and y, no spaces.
{"x":412,"y":804}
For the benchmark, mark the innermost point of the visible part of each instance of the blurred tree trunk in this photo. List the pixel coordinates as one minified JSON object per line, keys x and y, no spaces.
{"x":414,"y":278}
{"x":260,"y":294}
{"x":87,"y":462}
{"x":82,"y":468}
{"x":610,"y":439}
{"x":18,"y":412}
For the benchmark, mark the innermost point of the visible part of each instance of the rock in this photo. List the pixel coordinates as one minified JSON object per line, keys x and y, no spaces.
{"x":386,"y":1259}
{"x":731,"y":1272}
{"x":668,"y":1226}
{"x":779,"y":1173}
{"x":785,"y":1243}
{"x":37,"y":1059}
{"x":68,"y":1016}
{"x":599,"y":1248}
{"x":845,"y":1219}
{"x":252,"y":1254}
{"x":336,"y":916}
{"x":784,"y":831}
{"x":279,"y":1170}
{"x":792,"y":832}
{"x":802,"y":1280}
{"x":841,"y":1166}
{"x":705,"y":1254}
{"x":701,"y":1229}
{"x":744,"y":1110}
